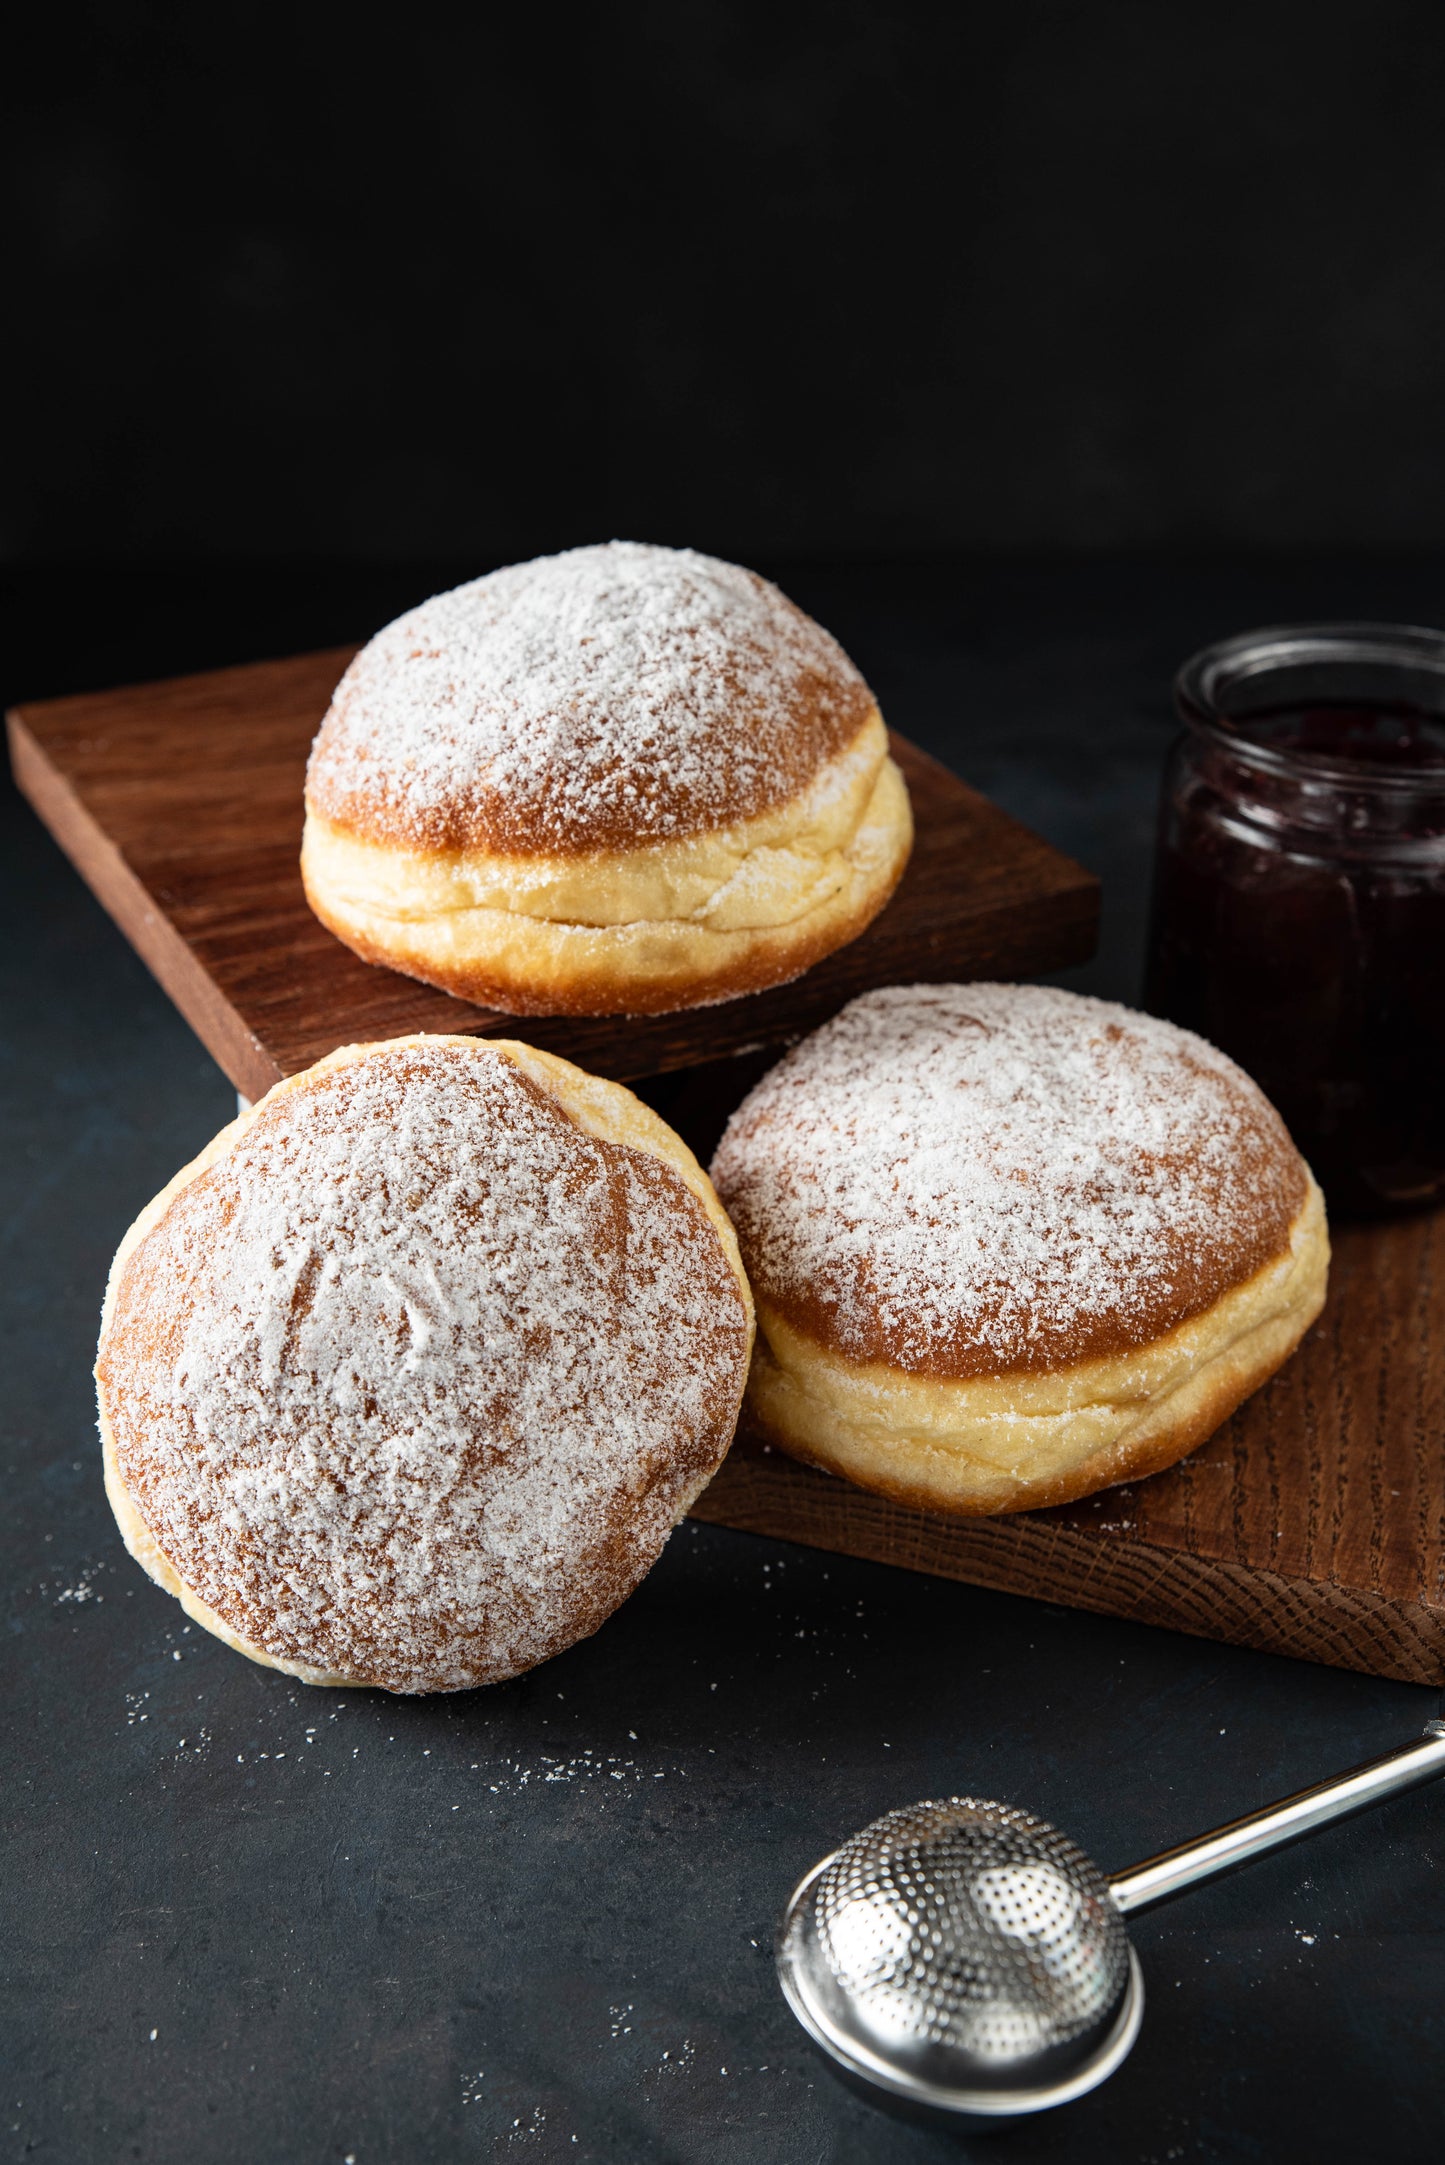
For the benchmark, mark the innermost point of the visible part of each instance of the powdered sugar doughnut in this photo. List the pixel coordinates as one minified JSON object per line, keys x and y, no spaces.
{"x":620,"y":780}
{"x":407,"y":1378}
{"x":1009,"y":1245}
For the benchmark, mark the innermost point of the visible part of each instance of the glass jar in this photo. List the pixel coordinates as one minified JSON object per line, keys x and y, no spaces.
{"x":1299,"y":895}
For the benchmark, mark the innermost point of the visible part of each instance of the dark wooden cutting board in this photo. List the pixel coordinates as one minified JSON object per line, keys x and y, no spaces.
{"x":1312,"y":1524}
{"x":180,"y":803}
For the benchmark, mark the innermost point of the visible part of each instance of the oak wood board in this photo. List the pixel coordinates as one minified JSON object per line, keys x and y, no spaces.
{"x":1312,"y":1523}
{"x":180,"y":804}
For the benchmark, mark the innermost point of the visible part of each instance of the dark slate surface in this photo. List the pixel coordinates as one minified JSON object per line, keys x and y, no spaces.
{"x":246,"y":1921}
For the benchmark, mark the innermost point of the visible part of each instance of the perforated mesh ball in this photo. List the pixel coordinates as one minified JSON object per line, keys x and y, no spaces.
{"x":973,"y":1926}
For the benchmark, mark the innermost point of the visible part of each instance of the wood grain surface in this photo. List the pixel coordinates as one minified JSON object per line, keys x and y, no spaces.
{"x":180,"y":804}
{"x":1312,"y":1523}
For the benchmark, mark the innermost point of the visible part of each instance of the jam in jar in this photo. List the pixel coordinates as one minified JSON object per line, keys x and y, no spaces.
{"x":1299,"y":895}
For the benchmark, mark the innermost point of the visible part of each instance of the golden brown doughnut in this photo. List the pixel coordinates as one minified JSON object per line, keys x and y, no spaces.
{"x":1009,"y":1245}
{"x":621,"y":780}
{"x":406,"y":1379}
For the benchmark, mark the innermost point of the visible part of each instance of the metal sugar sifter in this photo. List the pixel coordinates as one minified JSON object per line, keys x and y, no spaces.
{"x":964,"y":1961}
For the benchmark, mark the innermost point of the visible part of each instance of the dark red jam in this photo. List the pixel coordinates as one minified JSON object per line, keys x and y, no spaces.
{"x":1299,"y":924}
{"x":1391,"y":733}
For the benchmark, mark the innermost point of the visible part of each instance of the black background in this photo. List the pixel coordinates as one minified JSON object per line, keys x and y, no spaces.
{"x":312,"y":311}
{"x":850,"y":278}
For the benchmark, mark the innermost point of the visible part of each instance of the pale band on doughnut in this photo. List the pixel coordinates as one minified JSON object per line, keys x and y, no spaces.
{"x":984,"y":1445}
{"x":628,"y":931}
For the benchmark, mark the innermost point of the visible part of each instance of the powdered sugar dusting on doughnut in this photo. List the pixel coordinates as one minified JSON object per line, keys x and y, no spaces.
{"x":412,"y":1383}
{"x":608,"y":696}
{"x":967,"y":1179}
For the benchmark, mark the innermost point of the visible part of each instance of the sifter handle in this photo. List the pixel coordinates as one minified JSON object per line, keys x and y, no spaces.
{"x":1210,"y":1855}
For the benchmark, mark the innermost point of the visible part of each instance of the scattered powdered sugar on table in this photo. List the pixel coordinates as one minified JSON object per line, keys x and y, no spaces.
{"x":964,"y":1178}
{"x":608,"y":696}
{"x":412,"y":1383}
{"x":81,"y":1589}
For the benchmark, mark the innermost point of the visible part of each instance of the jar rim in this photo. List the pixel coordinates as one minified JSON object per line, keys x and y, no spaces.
{"x":1253,"y":656}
